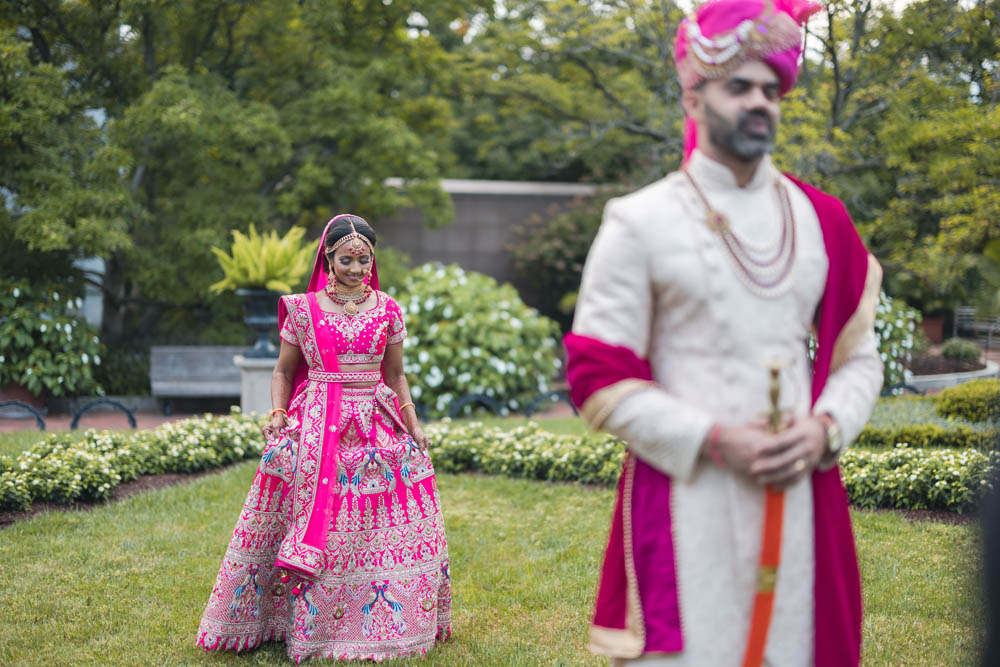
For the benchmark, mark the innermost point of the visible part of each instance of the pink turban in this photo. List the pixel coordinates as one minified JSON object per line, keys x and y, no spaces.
{"x":723,"y":34}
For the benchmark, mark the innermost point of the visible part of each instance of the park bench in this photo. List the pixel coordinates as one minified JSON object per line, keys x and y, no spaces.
{"x":968,"y":321}
{"x":194,"y":371}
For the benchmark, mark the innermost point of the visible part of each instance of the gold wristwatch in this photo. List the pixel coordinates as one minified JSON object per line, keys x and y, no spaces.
{"x":834,"y":438}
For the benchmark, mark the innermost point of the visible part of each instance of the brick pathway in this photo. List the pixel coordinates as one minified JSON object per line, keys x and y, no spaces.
{"x":97,"y":420}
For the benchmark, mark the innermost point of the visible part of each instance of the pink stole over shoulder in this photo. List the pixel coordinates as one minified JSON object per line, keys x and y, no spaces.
{"x":637,"y":609}
{"x":304,"y":547}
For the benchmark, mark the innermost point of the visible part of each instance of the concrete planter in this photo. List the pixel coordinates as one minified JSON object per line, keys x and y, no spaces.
{"x":255,"y":383}
{"x":944,"y":380}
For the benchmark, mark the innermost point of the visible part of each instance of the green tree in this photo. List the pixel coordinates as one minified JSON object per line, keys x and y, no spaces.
{"x":60,"y":190}
{"x":571,"y":90}
{"x":213,"y":115}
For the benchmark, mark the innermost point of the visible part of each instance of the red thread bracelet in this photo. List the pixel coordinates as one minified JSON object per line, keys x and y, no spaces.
{"x":713,"y":446}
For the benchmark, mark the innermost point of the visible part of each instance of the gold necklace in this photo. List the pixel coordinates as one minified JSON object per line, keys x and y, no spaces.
{"x":348,"y":301}
{"x":763,"y":276}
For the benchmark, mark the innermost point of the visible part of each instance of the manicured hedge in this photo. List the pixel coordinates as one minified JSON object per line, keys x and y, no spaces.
{"x":962,"y":350}
{"x":525,"y":451}
{"x":915,"y":420}
{"x":901,"y":477}
{"x":61,"y":469}
{"x":908,"y":478}
{"x":930,"y":436}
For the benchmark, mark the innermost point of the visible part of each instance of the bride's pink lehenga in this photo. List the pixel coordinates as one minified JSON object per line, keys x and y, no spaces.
{"x":345,"y":502}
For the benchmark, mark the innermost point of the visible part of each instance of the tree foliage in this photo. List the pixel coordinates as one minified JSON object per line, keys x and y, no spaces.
{"x":895,"y":112}
{"x":142,"y":131}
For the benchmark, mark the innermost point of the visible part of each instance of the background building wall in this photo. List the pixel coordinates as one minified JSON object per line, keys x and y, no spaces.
{"x":486,"y":213}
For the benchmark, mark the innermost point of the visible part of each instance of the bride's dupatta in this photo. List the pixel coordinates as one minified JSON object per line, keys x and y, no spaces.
{"x":303,"y":548}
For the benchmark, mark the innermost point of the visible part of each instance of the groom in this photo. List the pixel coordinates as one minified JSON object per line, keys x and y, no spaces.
{"x":731,"y":543}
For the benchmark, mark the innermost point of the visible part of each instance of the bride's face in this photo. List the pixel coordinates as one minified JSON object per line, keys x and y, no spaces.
{"x":349,"y":268}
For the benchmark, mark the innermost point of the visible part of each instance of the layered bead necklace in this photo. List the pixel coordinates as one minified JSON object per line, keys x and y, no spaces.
{"x":765,"y":268}
{"x":349,"y":302}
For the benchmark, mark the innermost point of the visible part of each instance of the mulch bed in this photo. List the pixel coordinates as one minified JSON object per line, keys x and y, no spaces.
{"x":120,"y":492}
{"x":927,"y":364}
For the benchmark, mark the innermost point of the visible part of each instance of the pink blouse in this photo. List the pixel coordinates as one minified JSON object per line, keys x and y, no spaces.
{"x":360,"y":338}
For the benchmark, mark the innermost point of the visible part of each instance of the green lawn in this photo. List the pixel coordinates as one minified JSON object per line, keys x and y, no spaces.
{"x":126,"y":583}
{"x":13,"y":443}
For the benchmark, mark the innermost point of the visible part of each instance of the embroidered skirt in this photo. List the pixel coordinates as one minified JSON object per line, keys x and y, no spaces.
{"x":385,"y":589}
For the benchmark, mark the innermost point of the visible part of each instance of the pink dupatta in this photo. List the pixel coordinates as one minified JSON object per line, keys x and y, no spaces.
{"x":303,"y":548}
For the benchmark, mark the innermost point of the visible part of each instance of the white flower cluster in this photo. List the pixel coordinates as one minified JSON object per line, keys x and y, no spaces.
{"x":63,"y":469}
{"x":908,"y":478}
{"x":895,"y":329}
{"x":469,"y":335}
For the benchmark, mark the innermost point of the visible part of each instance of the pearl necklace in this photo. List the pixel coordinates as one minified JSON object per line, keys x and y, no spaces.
{"x":765,"y":276}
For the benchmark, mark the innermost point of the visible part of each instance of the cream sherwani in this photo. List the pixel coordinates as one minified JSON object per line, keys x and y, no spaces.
{"x":660,"y":282}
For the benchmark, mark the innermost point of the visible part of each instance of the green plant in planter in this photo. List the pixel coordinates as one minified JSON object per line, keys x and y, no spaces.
{"x":264,"y":261}
{"x":44,"y":346}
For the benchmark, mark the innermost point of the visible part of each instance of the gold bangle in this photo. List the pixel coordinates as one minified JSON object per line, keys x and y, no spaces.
{"x":270,"y":415}
{"x":407,"y":404}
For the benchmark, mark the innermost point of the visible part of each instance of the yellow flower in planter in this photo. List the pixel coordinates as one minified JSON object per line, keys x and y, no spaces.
{"x":264,"y":261}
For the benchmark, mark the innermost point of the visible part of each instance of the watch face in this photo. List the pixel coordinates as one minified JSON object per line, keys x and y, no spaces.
{"x":834,"y":439}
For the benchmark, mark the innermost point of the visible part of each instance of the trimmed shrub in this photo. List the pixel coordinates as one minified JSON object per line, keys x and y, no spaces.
{"x":929,"y":436}
{"x":61,"y":470}
{"x":907,"y":478}
{"x":976,"y":401}
{"x":901,"y":477}
{"x":960,"y":350}
{"x":526,"y":451}
{"x":915,"y":421}
{"x":468,"y":335}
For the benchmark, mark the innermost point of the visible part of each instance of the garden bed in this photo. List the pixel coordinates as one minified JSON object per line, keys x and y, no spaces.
{"x":66,"y":469}
{"x":523,"y":589}
{"x":929,"y":364}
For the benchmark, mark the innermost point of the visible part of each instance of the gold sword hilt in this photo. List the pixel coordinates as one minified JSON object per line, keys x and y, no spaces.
{"x":774,"y":416}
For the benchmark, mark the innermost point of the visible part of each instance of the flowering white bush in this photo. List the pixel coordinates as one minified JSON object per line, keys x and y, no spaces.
{"x":61,"y":470}
{"x":896,"y":331}
{"x":896,"y":334}
{"x":907,"y":478}
{"x":469,"y":335}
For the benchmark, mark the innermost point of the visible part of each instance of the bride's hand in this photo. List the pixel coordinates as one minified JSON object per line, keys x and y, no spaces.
{"x":271,"y":429}
{"x":420,"y":438}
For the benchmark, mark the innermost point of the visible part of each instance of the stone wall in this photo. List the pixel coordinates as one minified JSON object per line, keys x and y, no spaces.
{"x":485,"y":214}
